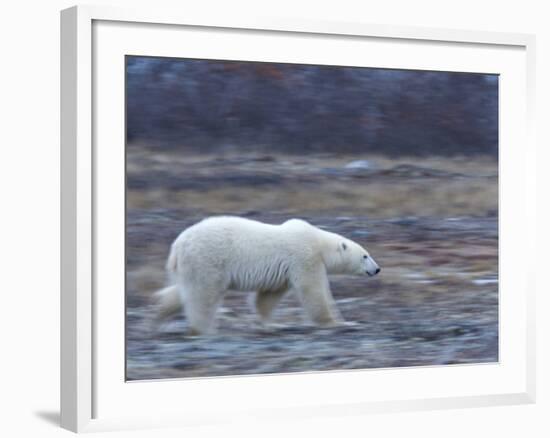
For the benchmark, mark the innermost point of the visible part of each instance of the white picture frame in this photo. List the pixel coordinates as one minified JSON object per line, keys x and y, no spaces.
{"x":85,"y":375}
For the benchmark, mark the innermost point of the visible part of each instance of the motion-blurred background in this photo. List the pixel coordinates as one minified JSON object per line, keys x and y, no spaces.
{"x":222,"y":106}
{"x":403,"y":162}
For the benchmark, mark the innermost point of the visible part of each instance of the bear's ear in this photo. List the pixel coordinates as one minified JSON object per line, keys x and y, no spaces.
{"x":344,"y":246}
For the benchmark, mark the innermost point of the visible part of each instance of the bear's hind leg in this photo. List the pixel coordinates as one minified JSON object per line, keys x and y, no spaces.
{"x":200,"y":309}
{"x":167,"y":302}
{"x":267,"y":300}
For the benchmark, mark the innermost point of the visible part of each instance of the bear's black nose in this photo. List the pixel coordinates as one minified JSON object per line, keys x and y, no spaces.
{"x":377,"y":270}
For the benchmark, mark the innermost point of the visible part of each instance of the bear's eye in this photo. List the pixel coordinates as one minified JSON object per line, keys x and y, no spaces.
{"x":344,"y":246}
{"x":365,"y":257}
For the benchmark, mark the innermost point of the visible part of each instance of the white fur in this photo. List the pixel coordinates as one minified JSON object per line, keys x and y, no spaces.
{"x":225,"y":252}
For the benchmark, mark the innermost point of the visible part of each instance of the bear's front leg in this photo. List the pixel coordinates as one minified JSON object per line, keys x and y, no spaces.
{"x":314,"y":291}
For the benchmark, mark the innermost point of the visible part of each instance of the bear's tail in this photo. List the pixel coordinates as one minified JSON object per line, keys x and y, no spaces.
{"x":167,"y":302}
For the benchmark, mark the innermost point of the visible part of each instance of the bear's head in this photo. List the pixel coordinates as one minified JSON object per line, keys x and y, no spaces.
{"x":352,"y":258}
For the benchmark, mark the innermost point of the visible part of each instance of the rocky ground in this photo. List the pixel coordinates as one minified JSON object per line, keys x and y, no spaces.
{"x":432,"y":228}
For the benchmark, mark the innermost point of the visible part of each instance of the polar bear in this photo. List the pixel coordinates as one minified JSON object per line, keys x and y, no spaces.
{"x":224,"y":253}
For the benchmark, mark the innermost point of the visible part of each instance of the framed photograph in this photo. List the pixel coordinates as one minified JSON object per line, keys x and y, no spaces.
{"x":253,"y":208}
